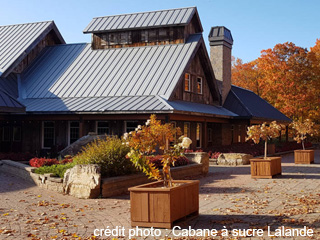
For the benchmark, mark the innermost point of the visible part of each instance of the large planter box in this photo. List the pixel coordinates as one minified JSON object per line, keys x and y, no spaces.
{"x":303,"y":156}
{"x":265,"y":168}
{"x":152,"y":205}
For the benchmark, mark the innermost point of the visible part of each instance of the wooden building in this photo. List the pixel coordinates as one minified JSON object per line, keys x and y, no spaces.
{"x":137,"y":64}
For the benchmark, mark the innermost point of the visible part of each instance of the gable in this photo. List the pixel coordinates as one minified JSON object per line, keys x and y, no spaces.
{"x":196,"y":70}
{"x":17,"y":41}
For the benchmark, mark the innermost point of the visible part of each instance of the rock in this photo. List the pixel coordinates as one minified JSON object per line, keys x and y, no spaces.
{"x":200,"y":157}
{"x":83,"y":181}
{"x":233,"y":159}
{"x":78,"y":145}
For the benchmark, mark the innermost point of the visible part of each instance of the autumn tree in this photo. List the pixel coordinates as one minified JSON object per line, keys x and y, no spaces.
{"x":285,"y":77}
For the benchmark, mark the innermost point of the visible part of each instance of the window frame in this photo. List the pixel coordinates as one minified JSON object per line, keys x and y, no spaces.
{"x":42,"y":134}
{"x":97,"y":127}
{"x":201,"y":85}
{"x":187,"y":80}
{"x":200,"y":135}
{"x":126,"y":126}
{"x":188,"y":129}
{"x":3,"y":134}
{"x":69,"y":132}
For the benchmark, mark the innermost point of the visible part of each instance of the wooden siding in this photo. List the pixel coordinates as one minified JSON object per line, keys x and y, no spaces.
{"x":195,"y":70}
{"x":49,"y":40}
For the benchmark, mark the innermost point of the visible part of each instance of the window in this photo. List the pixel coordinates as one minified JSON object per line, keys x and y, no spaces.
{"x":187,"y":82}
{"x":102,"y":128}
{"x":199,"y":135}
{"x":210,"y":134}
{"x":199,"y":85}
{"x":164,"y":34}
{"x":232,"y":133}
{"x":104,"y":39}
{"x":6,"y":134}
{"x":186,"y":129}
{"x":153,"y":35}
{"x":239,"y":133}
{"x":16,"y":134}
{"x":48,"y":134}
{"x":74,"y":130}
{"x":144,"y":36}
{"x":130,"y":126}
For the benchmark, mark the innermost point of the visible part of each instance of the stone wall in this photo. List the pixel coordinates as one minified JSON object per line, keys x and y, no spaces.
{"x":83,"y":182}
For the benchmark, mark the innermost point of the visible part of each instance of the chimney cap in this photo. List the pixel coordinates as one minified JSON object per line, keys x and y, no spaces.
{"x":220,"y":35}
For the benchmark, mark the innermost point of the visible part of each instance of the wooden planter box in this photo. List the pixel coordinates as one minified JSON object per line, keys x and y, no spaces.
{"x":155,"y":206}
{"x":303,"y":156}
{"x":265,"y":168}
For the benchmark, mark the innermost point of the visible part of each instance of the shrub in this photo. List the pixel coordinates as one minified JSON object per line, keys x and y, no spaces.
{"x":157,"y":161}
{"x":39,"y":162}
{"x":109,"y":154}
{"x":58,"y":169}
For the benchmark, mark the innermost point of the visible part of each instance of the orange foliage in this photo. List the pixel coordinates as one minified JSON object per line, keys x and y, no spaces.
{"x":287,"y":76}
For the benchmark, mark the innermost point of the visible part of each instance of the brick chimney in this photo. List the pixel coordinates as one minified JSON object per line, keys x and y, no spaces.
{"x":221,"y":41}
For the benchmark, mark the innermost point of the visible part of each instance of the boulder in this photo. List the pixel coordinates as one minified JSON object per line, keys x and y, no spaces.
{"x":234,"y":159}
{"x":200,"y":157}
{"x":78,"y":145}
{"x":83,"y":181}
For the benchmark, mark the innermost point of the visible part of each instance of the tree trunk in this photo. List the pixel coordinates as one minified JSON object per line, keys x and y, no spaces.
{"x":303,"y":145}
{"x":265,"y":149}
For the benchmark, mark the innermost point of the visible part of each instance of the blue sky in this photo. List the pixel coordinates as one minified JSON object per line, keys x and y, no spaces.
{"x":255,"y":24}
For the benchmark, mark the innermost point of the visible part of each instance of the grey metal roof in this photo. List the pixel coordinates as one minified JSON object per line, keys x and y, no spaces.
{"x":10,"y":85}
{"x":179,"y":16}
{"x":200,"y":108}
{"x":116,"y":104}
{"x":97,"y":104}
{"x":246,"y":103}
{"x":16,"y":41}
{"x":9,"y":104}
{"x":75,"y":70}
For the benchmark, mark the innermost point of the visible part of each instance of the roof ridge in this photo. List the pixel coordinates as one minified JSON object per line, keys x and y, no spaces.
{"x":26,"y":23}
{"x":144,"y":12}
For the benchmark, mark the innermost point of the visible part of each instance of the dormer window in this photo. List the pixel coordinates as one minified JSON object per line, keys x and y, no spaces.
{"x":187,"y":82}
{"x":199,"y":85}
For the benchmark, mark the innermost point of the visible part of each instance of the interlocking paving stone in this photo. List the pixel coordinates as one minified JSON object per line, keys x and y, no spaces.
{"x":228,"y":198}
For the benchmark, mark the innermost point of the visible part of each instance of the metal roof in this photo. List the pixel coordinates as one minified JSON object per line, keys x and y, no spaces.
{"x":246,"y":103}
{"x":179,"y":16}
{"x":16,"y":41}
{"x":9,"y":104}
{"x":96,"y":104}
{"x":200,"y":108}
{"x":9,"y":85}
{"x":116,"y":104}
{"x":75,"y":70}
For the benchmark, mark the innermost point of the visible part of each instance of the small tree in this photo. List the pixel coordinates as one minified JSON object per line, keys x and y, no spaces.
{"x":302,"y":129}
{"x":151,"y":138}
{"x":264,"y":132}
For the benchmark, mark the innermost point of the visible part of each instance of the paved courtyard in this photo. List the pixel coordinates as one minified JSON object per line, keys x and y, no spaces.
{"x":229,"y":199}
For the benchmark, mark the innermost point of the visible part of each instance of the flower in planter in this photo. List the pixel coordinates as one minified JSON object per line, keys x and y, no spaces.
{"x":264,"y":132}
{"x":302,"y":129}
{"x":154,"y":138}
